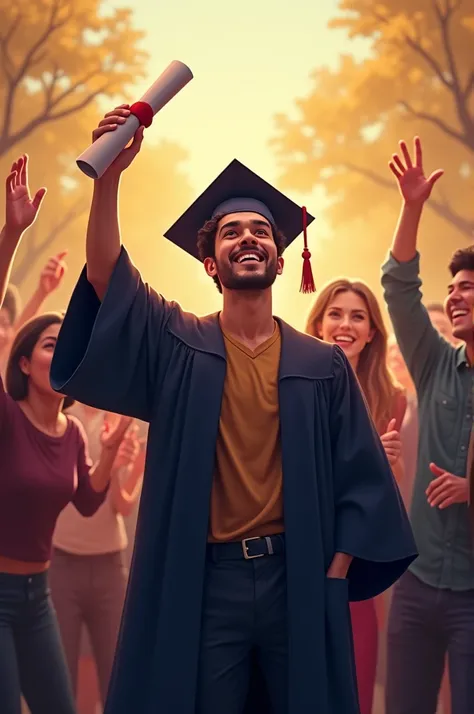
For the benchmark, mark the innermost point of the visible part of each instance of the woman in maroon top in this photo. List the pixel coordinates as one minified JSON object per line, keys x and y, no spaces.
{"x":44,"y":465}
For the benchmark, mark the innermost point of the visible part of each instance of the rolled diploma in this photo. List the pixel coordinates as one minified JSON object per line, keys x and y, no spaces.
{"x":96,"y":159}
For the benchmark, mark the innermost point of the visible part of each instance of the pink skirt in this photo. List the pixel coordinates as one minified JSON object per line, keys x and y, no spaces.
{"x":365,"y":633}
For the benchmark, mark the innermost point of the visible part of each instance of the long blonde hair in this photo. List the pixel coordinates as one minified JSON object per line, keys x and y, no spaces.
{"x":378,"y":384}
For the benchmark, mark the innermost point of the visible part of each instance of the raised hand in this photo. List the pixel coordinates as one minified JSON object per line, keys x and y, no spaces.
{"x":113,"y":431}
{"x":111,"y":120}
{"x":412,"y":182}
{"x":52,"y":274}
{"x":446,"y":489}
{"x":21,"y":210}
{"x":392,"y":443}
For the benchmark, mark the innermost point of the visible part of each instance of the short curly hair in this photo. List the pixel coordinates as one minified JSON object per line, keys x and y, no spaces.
{"x":206,"y":242}
{"x":463,"y":259}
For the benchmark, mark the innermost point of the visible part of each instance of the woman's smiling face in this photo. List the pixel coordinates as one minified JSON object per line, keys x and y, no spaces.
{"x":346,"y":322}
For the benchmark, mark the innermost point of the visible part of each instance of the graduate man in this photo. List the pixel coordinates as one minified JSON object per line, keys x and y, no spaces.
{"x":268,"y":502}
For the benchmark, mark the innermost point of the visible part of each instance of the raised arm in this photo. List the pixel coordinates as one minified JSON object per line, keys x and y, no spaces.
{"x":127,"y":473}
{"x":20,"y":212}
{"x":103,"y":243}
{"x":419,"y":341}
{"x":114,"y":334}
{"x":415,"y":189}
{"x":50,"y":279}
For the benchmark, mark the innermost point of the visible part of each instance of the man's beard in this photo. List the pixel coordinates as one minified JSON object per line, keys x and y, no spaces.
{"x":247,"y":281}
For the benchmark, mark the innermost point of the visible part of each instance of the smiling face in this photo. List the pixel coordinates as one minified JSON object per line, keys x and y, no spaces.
{"x":346,"y":322}
{"x":38,"y":366}
{"x":459,"y":305}
{"x":246,"y":255}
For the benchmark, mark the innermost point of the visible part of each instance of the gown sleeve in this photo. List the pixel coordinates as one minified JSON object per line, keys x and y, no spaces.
{"x":107,"y":352}
{"x":371,"y":523}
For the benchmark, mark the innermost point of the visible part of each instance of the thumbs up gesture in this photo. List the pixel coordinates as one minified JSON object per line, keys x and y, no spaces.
{"x":392,"y":443}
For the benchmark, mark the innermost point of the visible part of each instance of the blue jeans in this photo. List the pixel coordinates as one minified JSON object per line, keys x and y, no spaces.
{"x":425,"y":625}
{"x":31,"y":656}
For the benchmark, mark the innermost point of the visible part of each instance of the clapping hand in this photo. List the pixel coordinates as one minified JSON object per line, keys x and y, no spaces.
{"x":392,"y":443}
{"x":129,"y":449}
{"x":113,"y":433}
{"x":21,"y":210}
{"x":446,"y":489}
{"x":412,"y":182}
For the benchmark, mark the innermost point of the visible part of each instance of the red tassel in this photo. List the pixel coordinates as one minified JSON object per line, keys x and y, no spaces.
{"x":307,"y":280}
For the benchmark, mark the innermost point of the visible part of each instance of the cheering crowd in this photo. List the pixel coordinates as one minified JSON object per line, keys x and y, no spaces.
{"x":71,"y":476}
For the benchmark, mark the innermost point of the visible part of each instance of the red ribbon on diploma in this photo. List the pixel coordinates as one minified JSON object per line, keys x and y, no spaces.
{"x":143,"y":112}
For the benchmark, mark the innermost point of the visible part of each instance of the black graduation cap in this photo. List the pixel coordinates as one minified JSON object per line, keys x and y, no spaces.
{"x":238,"y":189}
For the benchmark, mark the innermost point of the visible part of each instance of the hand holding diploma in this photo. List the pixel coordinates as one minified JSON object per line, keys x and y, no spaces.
{"x":111,"y":121}
{"x":107,"y":146}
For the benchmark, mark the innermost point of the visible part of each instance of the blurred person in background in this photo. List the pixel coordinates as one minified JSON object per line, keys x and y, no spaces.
{"x":346,"y":313}
{"x":44,"y":466}
{"x":432,"y":612}
{"x":12,"y":318}
{"x":88,"y":570}
{"x":409,"y":427}
{"x":9,"y":310}
{"x":441,"y":321}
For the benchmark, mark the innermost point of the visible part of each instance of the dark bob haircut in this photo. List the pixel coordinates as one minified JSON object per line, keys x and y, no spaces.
{"x":206,"y":242}
{"x":23,"y":346}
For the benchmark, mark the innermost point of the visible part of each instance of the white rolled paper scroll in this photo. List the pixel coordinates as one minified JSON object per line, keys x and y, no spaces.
{"x":96,"y":159}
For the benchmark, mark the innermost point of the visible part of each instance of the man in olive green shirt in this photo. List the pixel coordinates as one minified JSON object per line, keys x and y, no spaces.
{"x":432,"y":611}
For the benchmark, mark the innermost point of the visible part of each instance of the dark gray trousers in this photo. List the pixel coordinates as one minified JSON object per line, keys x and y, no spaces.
{"x":425,"y":624}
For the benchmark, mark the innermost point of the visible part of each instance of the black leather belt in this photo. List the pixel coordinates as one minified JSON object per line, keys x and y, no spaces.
{"x":248,"y":549}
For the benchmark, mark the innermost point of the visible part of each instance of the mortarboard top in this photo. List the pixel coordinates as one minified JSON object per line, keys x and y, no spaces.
{"x":238,"y":189}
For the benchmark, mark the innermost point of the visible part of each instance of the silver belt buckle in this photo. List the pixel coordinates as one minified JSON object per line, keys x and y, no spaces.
{"x":246,"y":551}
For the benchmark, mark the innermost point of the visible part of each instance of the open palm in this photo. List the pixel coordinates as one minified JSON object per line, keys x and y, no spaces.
{"x":21,"y":210}
{"x":412,"y":182}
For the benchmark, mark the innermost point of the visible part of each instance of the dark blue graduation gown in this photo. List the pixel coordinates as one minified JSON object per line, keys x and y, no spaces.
{"x":140,"y":355}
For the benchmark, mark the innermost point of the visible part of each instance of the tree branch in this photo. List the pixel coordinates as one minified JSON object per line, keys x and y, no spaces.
{"x":70,"y":90}
{"x":439,"y":123}
{"x":4,"y":41}
{"x":44,"y":118}
{"x":462,"y":110}
{"x":417,"y":47}
{"x":469,"y":87}
{"x":441,"y":208}
{"x":31,"y":58}
{"x":48,"y":87}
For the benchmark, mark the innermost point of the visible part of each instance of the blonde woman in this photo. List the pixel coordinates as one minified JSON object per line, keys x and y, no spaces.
{"x":346,"y":313}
